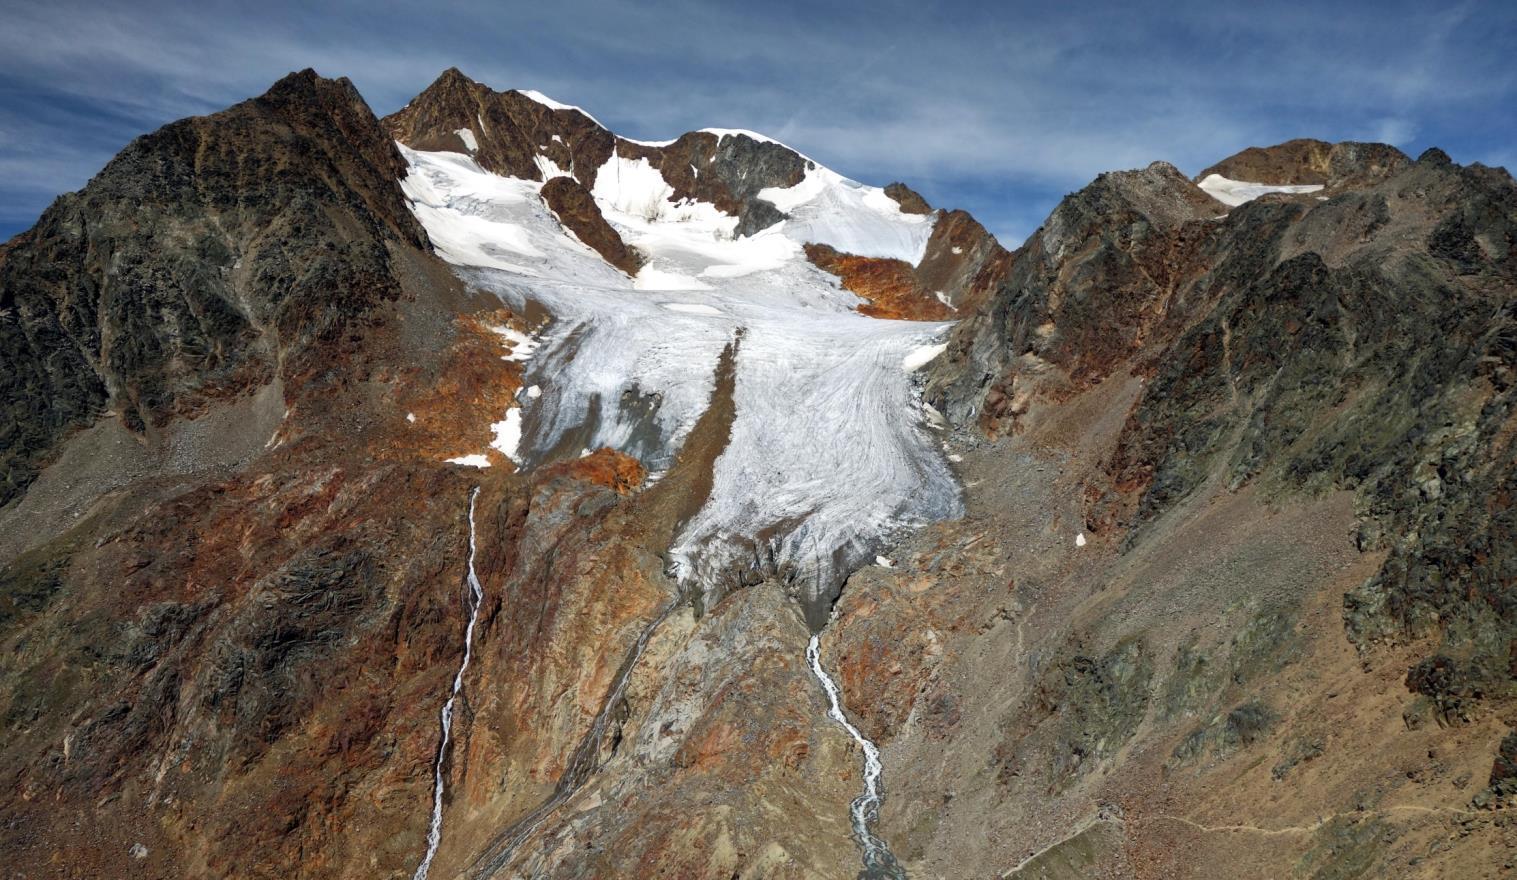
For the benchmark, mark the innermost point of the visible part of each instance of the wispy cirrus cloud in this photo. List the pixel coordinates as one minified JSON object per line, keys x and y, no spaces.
{"x":1001,"y":108}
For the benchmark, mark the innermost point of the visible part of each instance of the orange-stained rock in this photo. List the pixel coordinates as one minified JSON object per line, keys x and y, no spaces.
{"x":889,"y":286}
{"x":603,"y":467}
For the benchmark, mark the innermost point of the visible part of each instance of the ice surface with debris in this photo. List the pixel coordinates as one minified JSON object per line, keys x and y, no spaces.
{"x":829,"y":453}
{"x":1236,"y":192}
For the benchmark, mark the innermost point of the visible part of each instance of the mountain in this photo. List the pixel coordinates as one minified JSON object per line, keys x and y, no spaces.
{"x":476,"y":492}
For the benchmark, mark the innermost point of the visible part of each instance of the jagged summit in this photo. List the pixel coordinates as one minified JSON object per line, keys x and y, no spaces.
{"x":760,"y":182}
{"x":1305,"y":161}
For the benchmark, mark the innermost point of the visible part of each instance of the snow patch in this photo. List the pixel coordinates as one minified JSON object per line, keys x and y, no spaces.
{"x":651,"y":277}
{"x":522,"y":345}
{"x":508,"y":433}
{"x":411,"y":417}
{"x":548,"y":168}
{"x":1236,"y":192}
{"x":476,"y":460}
{"x":1080,"y":540}
{"x":828,"y":208}
{"x":693,"y":308}
{"x":921,"y":357}
{"x":467,"y":137}
{"x":883,"y":562}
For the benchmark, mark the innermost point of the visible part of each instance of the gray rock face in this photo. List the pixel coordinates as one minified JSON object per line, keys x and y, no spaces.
{"x":726,"y":170}
{"x":202,"y":261}
{"x":1076,"y":290}
{"x":1365,"y":343}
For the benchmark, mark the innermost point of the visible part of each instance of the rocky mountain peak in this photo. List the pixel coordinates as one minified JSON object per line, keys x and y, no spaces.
{"x":204,"y":260}
{"x":1305,"y":161}
{"x":909,"y":199}
{"x":509,"y":133}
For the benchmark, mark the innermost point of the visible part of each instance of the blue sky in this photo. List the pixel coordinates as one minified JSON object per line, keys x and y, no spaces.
{"x":997,"y":107}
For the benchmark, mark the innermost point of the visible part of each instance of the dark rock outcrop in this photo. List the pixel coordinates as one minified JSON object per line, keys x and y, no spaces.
{"x":514,"y":134}
{"x":727,"y":170}
{"x":909,"y":199}
{"x":204,"y":260}
{"x":1080,"y":296}
{"x":1292,"y":345}
{"x":578,"y":213}
{"x":963,"y":261}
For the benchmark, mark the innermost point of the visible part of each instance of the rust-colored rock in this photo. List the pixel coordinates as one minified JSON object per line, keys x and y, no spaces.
{"x":889,"y":286}
{"x":962,"y":264}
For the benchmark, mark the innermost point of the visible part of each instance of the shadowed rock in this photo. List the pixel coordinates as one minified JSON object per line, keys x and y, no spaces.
{"x":204,"y":259}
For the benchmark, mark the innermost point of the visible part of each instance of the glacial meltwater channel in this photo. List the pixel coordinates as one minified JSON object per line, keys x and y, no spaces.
{"x":831,"y":453}
{"x":879,"y":862}
{"x":475,"y":599}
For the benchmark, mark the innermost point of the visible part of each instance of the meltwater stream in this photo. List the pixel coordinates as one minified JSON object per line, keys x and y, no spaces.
{"x":830,"y":454}
{"x":879,"y":862}
{"x":476,"y":598}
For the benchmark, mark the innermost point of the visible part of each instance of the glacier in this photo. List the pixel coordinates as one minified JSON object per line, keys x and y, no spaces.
{"x":830,"y":454}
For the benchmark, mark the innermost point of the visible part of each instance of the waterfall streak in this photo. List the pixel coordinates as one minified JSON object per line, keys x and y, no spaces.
{"x":475,"y":599}
{"x":878,"y":860}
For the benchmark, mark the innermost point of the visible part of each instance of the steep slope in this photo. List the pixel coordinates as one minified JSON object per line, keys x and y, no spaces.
{"x":278,"y":566}
{"x":1249,"y":621}
{"x":209,"y":258}
{"x":213,"y":657}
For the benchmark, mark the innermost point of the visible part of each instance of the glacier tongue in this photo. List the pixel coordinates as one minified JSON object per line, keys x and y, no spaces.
{"x":828,"y":454}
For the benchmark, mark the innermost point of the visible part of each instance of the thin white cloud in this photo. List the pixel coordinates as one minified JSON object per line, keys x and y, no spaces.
{"x":968,"y":92}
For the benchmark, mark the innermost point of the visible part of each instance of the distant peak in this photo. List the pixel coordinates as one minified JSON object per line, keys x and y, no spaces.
{"x":1305,"y":161}
{"x":453,"y":75}
{"x":1434,"y":156}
